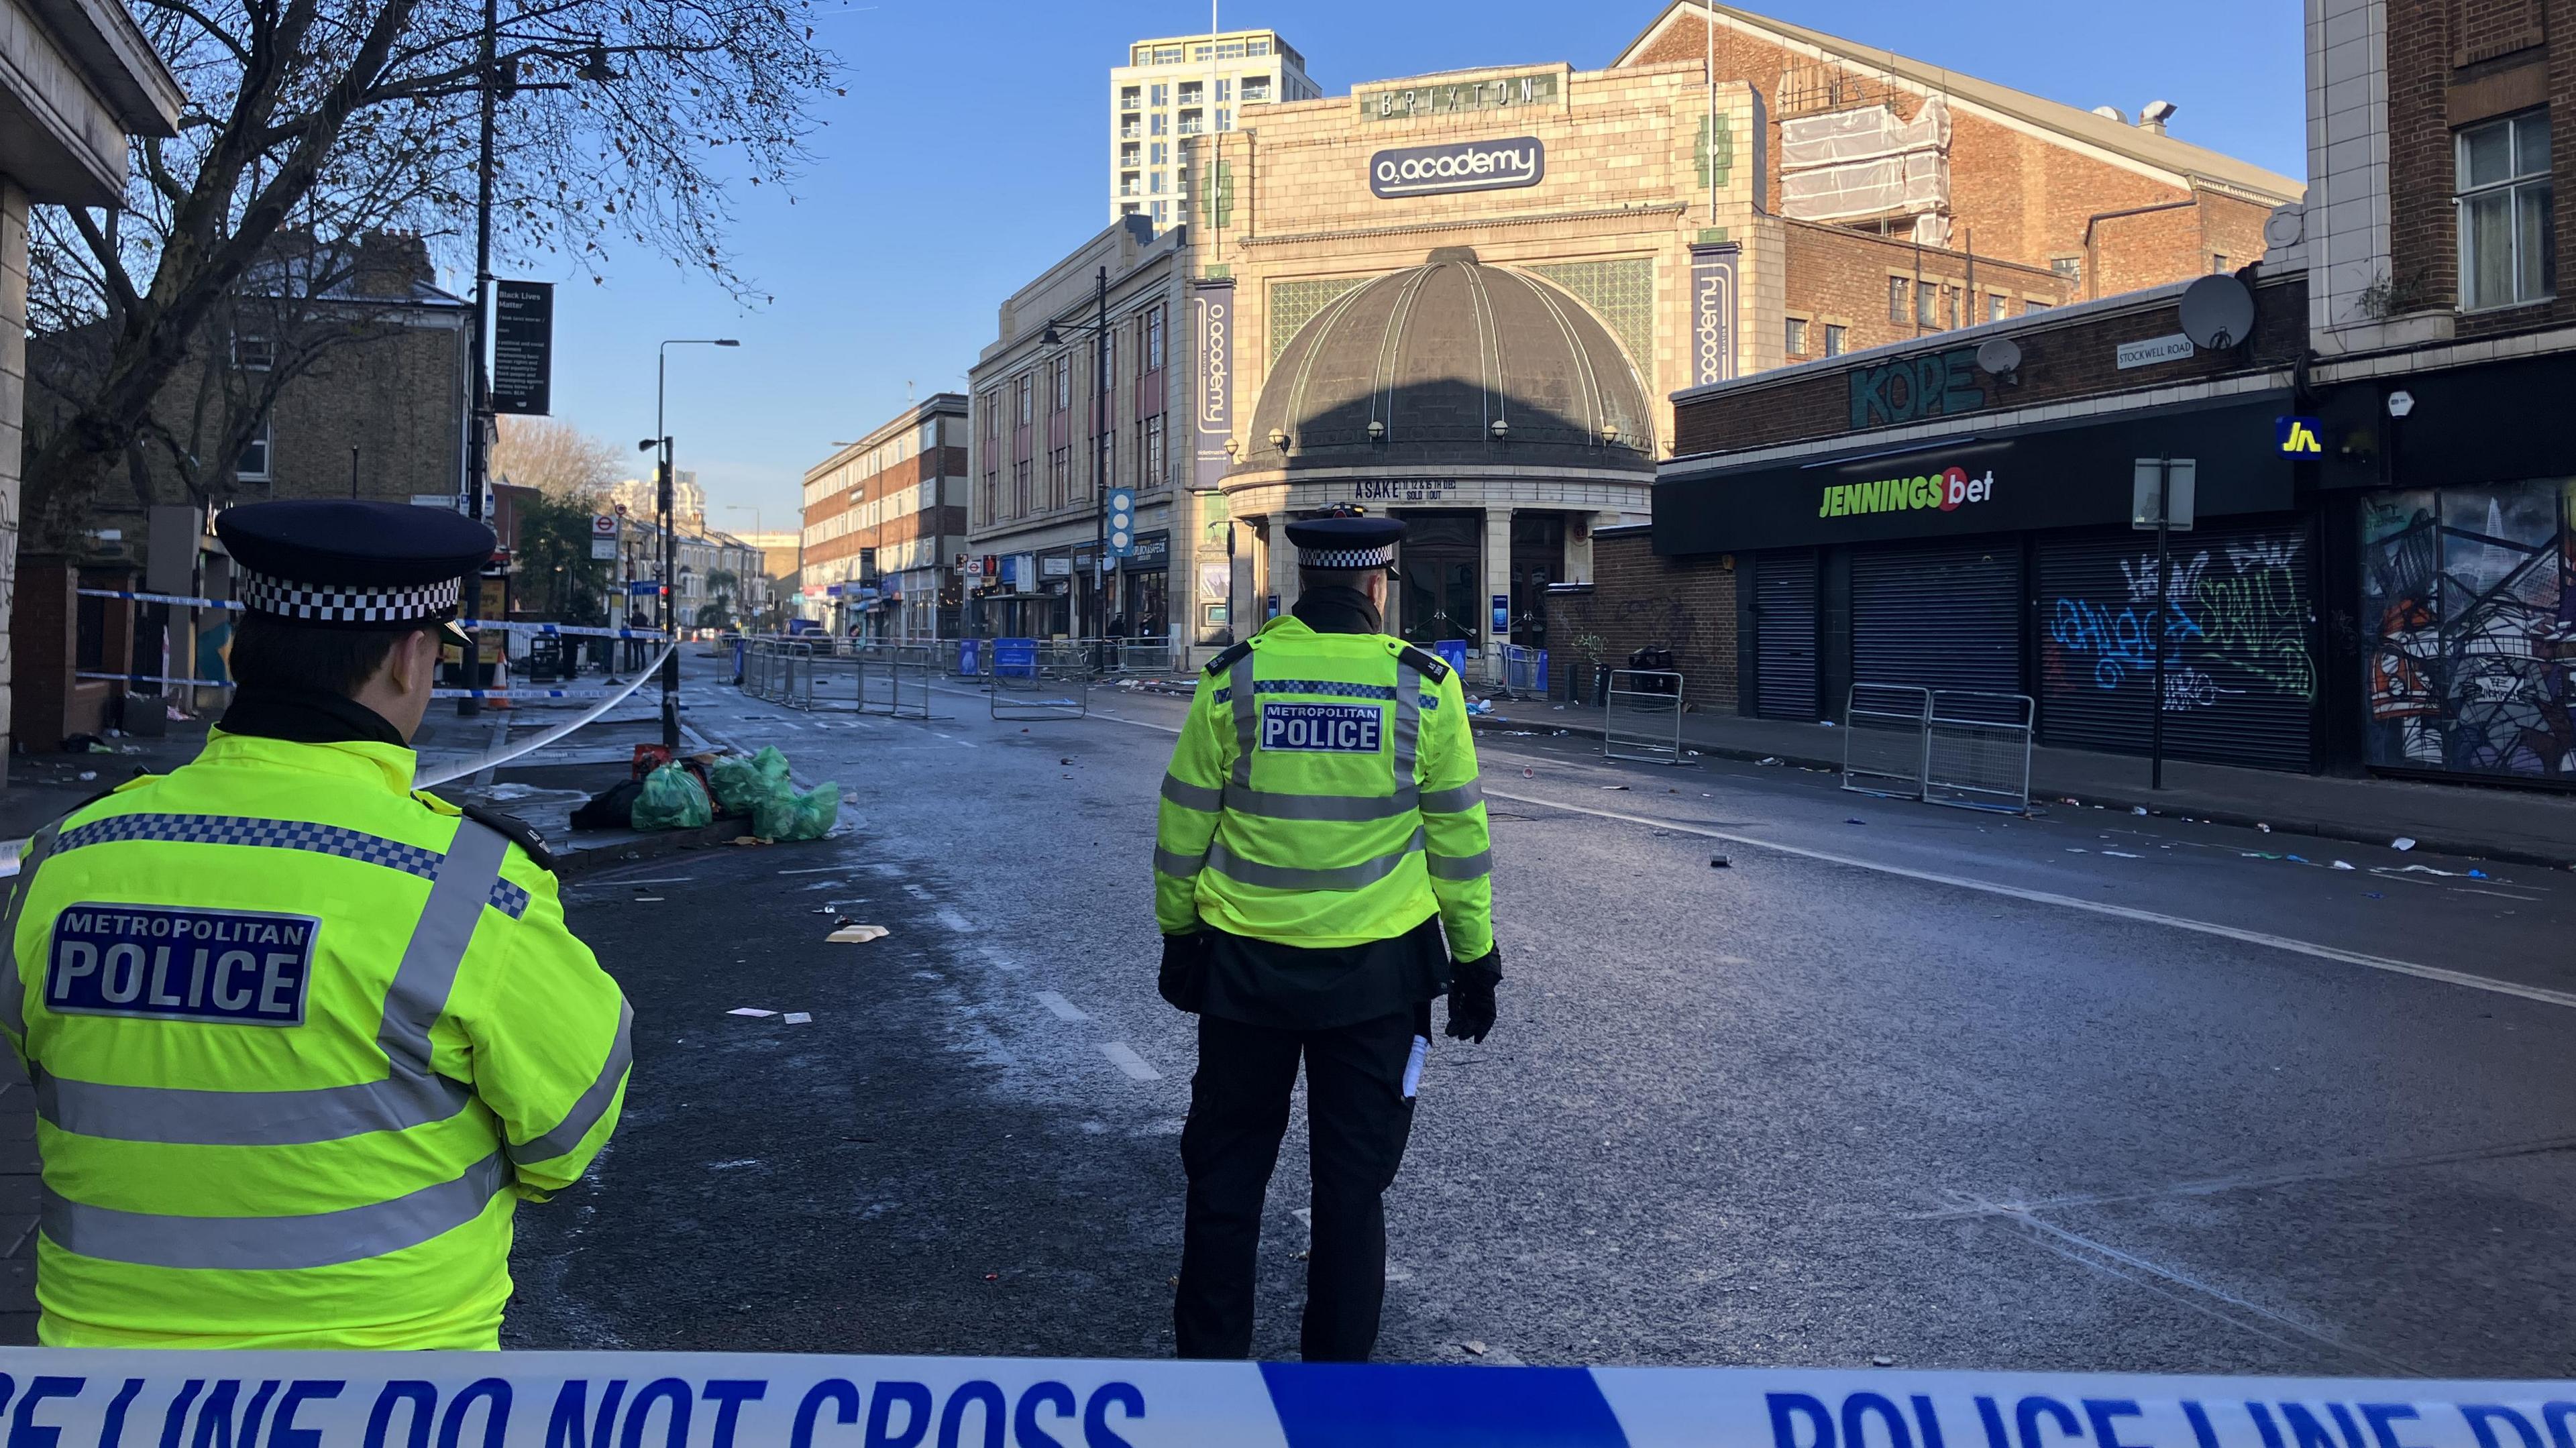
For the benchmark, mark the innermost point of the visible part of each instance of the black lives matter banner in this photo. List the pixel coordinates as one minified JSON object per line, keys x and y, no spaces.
{"x":523,"y":347}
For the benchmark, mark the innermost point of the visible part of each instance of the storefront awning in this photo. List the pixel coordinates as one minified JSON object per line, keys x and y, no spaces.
{"x":2008,"y":479}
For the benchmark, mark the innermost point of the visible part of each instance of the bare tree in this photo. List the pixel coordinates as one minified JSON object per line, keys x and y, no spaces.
{"x":556,"y":458}
{"x":314,"y":124}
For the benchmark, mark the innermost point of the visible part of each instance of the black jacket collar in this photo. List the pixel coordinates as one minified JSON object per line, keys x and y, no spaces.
{"x":1338,"y":611}
{"x":307,"y":716}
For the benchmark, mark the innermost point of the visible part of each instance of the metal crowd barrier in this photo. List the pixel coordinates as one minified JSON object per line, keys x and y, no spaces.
{"x":873,"y":678}
{"x":1886,"y":733}
{"x":1963,"y":747}
{"x":1041,"y":681}
{"x":1151,"y":657}
{"x":1643,"y":722}
{"x":1524,"y":669}
{"x":796,"y":683}
{"x":1977,"y":750}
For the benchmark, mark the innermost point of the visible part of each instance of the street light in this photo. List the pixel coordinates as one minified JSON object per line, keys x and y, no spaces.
{"x":670,"y":533}
{"x":1099,"y":329}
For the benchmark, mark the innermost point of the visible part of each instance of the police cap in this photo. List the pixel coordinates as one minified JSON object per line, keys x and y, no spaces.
{"x":347,"y":564}
{"x":1346,"y":541}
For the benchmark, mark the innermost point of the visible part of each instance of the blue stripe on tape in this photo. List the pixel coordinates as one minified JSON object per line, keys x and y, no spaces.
{"x":1348,"y":1405}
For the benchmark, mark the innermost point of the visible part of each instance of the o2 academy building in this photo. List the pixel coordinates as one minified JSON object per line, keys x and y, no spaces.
{"x":1465,"y":299}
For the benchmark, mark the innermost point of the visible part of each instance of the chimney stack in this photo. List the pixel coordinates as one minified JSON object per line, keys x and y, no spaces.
{"x":2152,"y":119}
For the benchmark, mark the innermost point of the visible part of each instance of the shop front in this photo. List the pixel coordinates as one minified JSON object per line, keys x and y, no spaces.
{"x":2006,"y":562}
{"x":2461,"y":511}
{"x":1143,"y":609}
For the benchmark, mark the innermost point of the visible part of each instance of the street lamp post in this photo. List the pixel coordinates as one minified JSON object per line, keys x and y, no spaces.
{"x":1099,"y":329}
{"x":661,"y":438}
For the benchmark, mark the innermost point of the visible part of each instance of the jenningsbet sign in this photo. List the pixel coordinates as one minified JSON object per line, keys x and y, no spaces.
{"x":1457,"y":166}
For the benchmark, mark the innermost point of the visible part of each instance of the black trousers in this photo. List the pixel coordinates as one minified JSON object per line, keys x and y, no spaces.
{"x":1358,"y":1120}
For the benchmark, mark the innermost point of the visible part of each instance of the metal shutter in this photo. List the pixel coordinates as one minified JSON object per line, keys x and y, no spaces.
{"x":1945,"y":616}
{"x":1784,"y":635}
{"x":2241,"y":674}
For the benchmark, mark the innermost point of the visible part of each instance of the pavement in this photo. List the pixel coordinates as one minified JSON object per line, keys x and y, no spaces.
{"x":2525,"y":826}
{"x":1891,"y":1083}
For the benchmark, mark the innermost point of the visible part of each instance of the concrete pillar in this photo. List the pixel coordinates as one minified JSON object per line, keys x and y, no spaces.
{"x":1498,"y":580}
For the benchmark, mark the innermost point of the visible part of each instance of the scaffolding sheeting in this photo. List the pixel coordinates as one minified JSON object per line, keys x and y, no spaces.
{"x":1844,"y":165}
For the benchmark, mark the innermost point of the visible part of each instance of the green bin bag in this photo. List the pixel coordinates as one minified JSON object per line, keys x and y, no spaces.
{"x":672,"y":800}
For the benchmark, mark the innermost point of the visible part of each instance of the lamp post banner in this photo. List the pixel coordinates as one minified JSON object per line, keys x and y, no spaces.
{"x":1212,"y":329}
{"x":714,"y":1400}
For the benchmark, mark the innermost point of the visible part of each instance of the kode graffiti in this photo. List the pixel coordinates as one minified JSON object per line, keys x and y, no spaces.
{"x":2469,"y":601}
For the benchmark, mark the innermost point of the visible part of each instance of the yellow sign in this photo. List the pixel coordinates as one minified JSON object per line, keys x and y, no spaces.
{"x":2298,"y":437}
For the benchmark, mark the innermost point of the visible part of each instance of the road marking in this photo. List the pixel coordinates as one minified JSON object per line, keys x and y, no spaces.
{"x":1000,"y":958}
{"x":1065,"y":1010}
{"x":1128,"y":1061}
{"x":955,"y":921}
{"x":817,"y":870}
{"x":2542,"y":994}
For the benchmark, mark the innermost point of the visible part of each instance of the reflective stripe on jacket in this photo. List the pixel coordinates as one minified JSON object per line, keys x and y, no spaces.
{"x":299,"y":1036}
{"x":1324,"y":793}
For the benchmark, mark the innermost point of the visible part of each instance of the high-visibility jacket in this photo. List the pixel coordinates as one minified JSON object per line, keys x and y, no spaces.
{"x":1324,"y":793}
{"x":300,"y":1037}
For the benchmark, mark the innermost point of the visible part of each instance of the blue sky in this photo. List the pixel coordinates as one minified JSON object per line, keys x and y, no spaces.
{"x":970,"y":153}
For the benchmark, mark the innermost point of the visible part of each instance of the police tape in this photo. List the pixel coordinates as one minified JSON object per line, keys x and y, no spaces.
{"x":158,"y":679}
{"x":712,"y":1400}
{"x":502,"y":625}
{"x":527,"y":693}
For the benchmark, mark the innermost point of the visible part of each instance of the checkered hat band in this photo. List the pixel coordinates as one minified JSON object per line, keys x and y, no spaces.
{"x":318,"y":603}
{"x":1338,"y":559}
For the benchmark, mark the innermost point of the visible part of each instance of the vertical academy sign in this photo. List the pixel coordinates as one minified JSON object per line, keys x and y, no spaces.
{"x":523,"y":344}
{"x":1212,"y":327}
{"x":1713,"y":312}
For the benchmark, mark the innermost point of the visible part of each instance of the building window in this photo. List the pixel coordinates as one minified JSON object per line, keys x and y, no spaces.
{"x":254,"y":354}
{"x":1160,"y":153}
{"x":2034,"y":304}
{"x":1897,"y":291}
{"x":1130,"y":97}
{"x":1159,"y":126}
{"x":1224,"y":90}
{"x":252,"y":466}
{"x":1161,"y":95}
{"x":1154,"y":183}
{"x":1190,"y":123}
{"x":1837,"y":339}
{"x":1162,"y":212}
{"x":1925,"y":299}
{"x":1167,"y":55}
{"x":1129,"y":156}
{"x":1020,"y":488}
{"x":2069,"y":267}
{"x":1153,"y":450}
{"x":1256,"y":89}
{"x":1128,"y":185}
{"x":1154,"y":339}
{"x":1224,"y":119}
{"x":2506,"y":232}
{"x":1063,"y":383}
{"x":1059,"y":477}
{"x":1256,"y":47}
{"x":1028,"y":398}
{"x":1995,"y":307}
{"x":1192,"y":93}
{"x":1797,"y":339}
{"x":2217,"y":262}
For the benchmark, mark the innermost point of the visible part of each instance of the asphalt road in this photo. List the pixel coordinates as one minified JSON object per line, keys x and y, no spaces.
{"x":2093,"y":1091}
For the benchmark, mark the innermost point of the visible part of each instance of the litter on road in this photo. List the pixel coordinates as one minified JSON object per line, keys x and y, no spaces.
{"x":2402,"y":842}
{"x":798,"y":1018}
{"x":856,"y":935}
{"x":749,"y":1011}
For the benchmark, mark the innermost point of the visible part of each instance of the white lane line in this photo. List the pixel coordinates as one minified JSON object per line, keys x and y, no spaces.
{"x":2542,"y":994}
{"x":2096,"y":907}
{"x":955,"y":921}
{"x":1000,"y":958}
{"x":817,"y":870}
{"x":1065,"y":1010}
{"x":1125,"y":1059}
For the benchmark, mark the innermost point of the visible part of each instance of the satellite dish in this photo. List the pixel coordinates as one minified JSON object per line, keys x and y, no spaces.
{"x":2217,"y":312}
{"x":1998,"y":356}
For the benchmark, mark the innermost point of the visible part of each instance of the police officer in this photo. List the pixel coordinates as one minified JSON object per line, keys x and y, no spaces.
{"x":302,"y":1036}
{"x":1320,"y":829}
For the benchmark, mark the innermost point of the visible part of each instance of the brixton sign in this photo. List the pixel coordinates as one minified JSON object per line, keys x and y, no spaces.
{"x":1459,"y":166}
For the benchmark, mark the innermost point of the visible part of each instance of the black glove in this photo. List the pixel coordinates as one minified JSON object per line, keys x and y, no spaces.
{"x":1183,"y":980}
{"x":1471,"y":995}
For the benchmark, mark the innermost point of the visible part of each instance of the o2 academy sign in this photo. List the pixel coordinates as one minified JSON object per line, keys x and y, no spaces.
{"x":1458,"y":166}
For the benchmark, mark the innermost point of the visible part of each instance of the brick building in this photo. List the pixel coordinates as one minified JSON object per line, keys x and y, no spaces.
{"x":1730,"y":195}
{"x":1038,"y":457}
{"x":2435,"y":240}
{"x":884,"y":517}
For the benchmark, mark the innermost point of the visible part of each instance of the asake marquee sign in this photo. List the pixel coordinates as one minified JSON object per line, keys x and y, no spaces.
{"x":1459,"y":166}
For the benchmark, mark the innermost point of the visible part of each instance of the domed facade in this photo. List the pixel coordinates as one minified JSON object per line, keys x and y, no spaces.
{"x":1448,"y":364}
